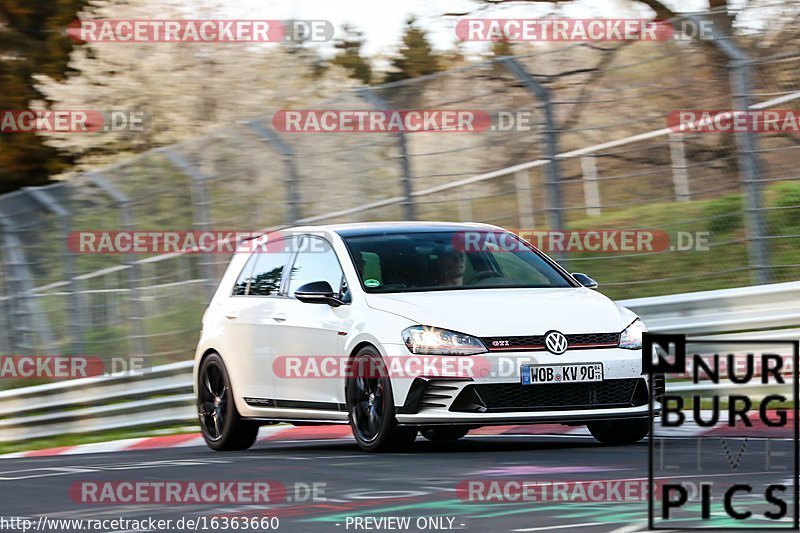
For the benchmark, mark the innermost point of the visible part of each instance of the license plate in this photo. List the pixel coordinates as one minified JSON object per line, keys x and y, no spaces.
{"x":571,"y":373}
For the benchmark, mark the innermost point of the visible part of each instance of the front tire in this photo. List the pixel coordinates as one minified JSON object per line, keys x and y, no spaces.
{"x":620,"y":431}
{"x":222,"y":426}
{"x":370,"y":405}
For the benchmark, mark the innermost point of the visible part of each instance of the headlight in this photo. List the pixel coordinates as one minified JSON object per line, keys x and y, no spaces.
{"x":631,"y":337}
{"x":434,"y":341}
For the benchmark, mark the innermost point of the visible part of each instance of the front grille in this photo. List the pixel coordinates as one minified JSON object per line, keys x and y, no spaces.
{"x":590,"y":339}
{"x":502,"y":397}
{"x":527,"y":342}
{"x":575,"y":341}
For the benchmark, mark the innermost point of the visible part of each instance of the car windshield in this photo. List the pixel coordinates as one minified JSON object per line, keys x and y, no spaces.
{"x":450,"y":260}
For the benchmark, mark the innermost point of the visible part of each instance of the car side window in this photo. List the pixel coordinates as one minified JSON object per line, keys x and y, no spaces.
{"x":316,"y":261}
{"x":240,"y":287}
{"x":270,"y":261}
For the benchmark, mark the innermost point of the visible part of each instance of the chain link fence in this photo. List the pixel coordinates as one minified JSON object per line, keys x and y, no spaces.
{"x":597,"y":155}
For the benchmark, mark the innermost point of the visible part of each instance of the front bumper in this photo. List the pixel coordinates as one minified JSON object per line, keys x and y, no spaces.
{"x":500,"y":398}
{"x":577,"y":418}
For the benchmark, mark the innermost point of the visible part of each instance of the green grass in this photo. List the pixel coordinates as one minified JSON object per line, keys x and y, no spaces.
{"x":724,"y":264}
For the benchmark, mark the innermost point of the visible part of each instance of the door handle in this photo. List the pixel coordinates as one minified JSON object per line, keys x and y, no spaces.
{"x":232,"y":315}
{"x":279,"y":317}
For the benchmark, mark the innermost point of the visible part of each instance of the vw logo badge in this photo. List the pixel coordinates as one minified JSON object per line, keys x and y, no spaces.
{"x":555,"y":342}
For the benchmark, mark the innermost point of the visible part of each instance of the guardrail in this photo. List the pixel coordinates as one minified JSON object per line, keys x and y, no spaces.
{"x":163,"y":394}
{"x":727,"y":310}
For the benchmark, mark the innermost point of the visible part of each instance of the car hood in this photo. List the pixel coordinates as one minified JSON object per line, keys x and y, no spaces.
{"x":499,"y":312}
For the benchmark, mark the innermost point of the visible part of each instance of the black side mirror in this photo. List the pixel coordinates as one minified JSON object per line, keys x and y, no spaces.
{"x":585,"y":280}
{"x":318,"y":292}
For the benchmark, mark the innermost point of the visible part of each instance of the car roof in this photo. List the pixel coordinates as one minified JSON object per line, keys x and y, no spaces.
{"x":387,"y":228}
{"x":373,"y":228}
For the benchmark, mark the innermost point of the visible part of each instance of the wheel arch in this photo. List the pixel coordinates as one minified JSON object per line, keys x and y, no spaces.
{"x":360,"y":345}
{"x":196,"y":368}
{"x":363,"y":344}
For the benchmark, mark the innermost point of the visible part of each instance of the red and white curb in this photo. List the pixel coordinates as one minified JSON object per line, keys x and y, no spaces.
{"x":285,"y":432}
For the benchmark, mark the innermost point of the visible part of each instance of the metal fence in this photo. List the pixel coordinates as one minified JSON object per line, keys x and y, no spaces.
{"x":598,"y":155}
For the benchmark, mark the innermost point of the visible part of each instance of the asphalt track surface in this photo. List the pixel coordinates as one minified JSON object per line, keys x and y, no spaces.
{"x":420,"y":483}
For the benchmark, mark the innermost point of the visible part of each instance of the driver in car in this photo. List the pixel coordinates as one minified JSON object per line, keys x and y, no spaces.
{"x":450,"y":267}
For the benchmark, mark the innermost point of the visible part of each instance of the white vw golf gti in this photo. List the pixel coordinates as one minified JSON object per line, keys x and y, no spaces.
{"x":404,"y":328}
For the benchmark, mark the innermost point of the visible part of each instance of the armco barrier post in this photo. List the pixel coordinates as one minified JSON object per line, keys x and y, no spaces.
{"x":18,"y":282}
{"x":739,"y":64}
{"x":409,"y":207}
{"x":49,"y":203}
{"x":553,"y":174}
{"x":266,"y":134}
{"x":137,"y":339}
{"x":200,"y":211}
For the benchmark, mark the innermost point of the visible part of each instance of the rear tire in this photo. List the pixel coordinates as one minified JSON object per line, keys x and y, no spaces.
{"x":370,"y":406}
{"x":223,"y":427}
{"x":620,"y":431}
{"x":444,"y":434}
